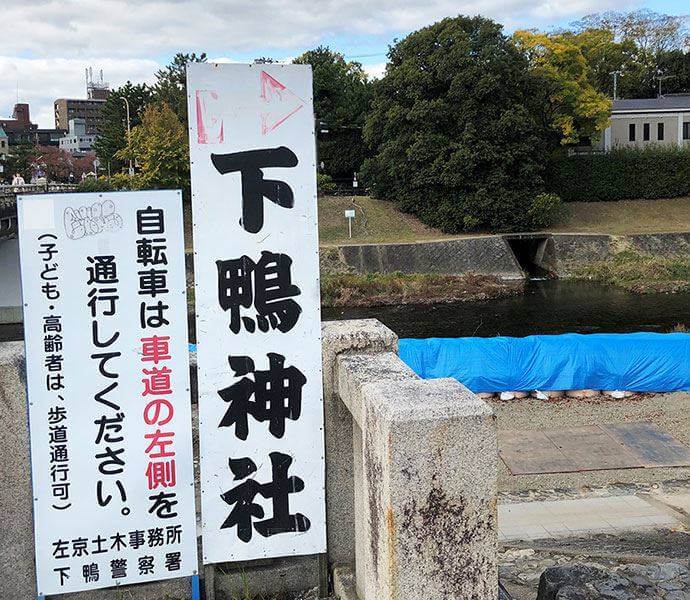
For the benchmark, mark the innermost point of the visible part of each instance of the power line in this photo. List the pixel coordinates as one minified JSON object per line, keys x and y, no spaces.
{"x":365,"y":55}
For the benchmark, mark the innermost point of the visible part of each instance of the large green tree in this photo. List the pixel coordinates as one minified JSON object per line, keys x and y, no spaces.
{"x":648,"y":46}
{"x":676,"y":64}
{"x":341,"y":100}
{"x":113,"y":136}
{"x":453,"y":128}
{"x":170,"y":89}
{"x":171,"y":83}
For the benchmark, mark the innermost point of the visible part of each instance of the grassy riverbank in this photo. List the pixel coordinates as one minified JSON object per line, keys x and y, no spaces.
{"x":641,"y":273}
{"x":380,"y":289}
{"x":627,"y":217}
{"x":343,"y":286}
{"x":379,"y":221}
{"x":376,"y":221}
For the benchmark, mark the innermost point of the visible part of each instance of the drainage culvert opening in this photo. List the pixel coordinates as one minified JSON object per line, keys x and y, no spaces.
{"x":533,"y":253}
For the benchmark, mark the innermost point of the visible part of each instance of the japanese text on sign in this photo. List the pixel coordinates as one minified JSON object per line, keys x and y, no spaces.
{"x":109,"y":403}
{"x":257,"y":303}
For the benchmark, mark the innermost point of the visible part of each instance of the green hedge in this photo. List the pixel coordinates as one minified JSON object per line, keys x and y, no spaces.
{"x":621,"y":175}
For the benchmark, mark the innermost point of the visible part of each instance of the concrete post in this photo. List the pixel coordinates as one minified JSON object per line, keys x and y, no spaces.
{"x":607,"y":139}
{"x":339,"y":337}
{"x":426,"y":499}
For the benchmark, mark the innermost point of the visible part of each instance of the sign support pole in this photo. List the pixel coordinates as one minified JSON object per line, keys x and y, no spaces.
{"x":196,"y":589}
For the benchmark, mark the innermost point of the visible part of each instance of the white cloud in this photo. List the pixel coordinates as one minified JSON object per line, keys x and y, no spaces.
{"x":375,"y":71}
{"x":160,"y":27}
{"x":129,"y":38}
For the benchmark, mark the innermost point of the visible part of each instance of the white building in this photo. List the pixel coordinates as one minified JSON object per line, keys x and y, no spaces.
{"x":77,"y":141}
{"x":638,"y":123}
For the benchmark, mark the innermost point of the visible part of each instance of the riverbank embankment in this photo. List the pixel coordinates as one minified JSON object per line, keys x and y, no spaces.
{"x":488,"y":266}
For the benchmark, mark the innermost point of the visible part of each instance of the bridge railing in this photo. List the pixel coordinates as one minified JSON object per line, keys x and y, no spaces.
{"x":8,"y":201}
{"x":411,"y":471}
{"x":411,"y":475}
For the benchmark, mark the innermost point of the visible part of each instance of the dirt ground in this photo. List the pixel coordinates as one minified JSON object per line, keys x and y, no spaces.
{"x":670,"y":411}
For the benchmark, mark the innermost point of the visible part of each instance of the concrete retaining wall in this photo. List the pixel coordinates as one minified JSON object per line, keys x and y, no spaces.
{"x":661,"y":243}
{"x":566,"y":252}
{"x":485,"y":254}
{"x":491,"y":255}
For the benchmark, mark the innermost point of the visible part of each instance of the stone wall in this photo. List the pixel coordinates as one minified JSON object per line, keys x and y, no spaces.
{"x":560,"y":254}
{"x":569,"y":251}
{"x":489,"y":255}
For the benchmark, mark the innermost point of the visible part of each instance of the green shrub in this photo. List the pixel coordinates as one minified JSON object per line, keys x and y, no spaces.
{"x":324,"y":184}
{"x":91,"y":184}
{"x":546,"y":210}
{"x":621,"y":175}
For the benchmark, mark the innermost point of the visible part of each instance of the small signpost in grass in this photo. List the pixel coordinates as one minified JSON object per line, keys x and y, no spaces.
{"x":349,"y":215}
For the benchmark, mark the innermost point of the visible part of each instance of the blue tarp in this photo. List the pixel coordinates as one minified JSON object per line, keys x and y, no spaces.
{"x":641,"y":362}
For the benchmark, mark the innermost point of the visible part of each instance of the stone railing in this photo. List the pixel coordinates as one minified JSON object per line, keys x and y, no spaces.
{"x":410,"y":475}
{"x":8,"y":201}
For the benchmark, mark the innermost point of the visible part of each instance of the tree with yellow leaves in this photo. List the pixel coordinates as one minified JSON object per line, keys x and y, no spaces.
{"x":572,"y":109}
{"x":161,"y":150}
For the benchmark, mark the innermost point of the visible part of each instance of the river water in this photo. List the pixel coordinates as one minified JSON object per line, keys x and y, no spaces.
{"x":549,"y":306}
{"x":546,"y":307}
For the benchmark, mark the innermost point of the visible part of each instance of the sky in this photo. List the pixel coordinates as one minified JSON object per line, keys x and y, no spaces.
{"x":47,"y":44}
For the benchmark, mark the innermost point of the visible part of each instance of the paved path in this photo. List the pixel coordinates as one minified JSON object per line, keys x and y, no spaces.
{"x":565,"y":518}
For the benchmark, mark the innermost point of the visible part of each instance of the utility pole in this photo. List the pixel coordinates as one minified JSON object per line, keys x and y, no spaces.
{"x":615,"y":83}
{"x":129,"y":137}
{"x":663,"y":78}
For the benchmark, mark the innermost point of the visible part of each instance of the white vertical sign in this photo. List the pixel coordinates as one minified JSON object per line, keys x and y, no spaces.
{"x":256,"y":266}
{"x":107,"y":363}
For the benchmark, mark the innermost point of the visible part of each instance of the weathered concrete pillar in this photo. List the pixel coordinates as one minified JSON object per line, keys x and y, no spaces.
{"x":16,"y":512}
{"x":425,"y":503}
{"x":340,"y":337}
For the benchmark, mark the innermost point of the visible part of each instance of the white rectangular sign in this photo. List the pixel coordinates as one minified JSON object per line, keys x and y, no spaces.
{"x":256,"y":267}
{"x":107,"y":363}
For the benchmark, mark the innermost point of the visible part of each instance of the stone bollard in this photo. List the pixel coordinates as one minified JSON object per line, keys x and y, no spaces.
{"x":425,"y":464}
